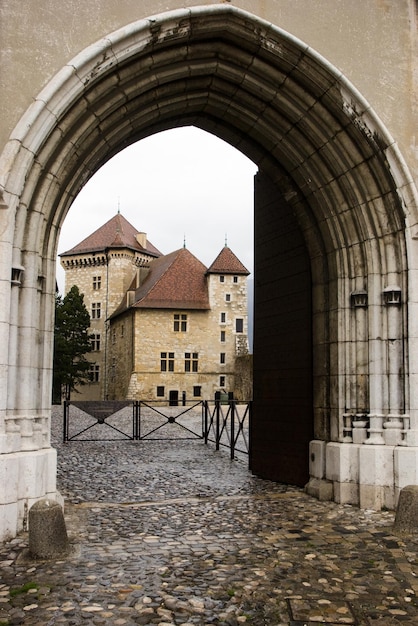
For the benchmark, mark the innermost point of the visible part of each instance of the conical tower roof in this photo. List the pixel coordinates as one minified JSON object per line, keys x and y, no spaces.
{"x":227,"y":263}
{"x":115,"y":233}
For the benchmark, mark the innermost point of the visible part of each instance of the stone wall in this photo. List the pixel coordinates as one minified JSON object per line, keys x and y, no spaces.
{"x":154,"y":333}
{"x":243,"y":389}
{"x":373,"y":43}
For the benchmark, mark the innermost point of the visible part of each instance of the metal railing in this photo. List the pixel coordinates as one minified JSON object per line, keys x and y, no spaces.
{"x":97,"y":413}
{"x":226,"y":423}
{"x":148,"y":412}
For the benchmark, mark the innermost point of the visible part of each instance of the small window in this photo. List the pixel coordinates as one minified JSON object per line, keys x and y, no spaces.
{"x":227,"y":297}
{"x":167,"y":361}
{"x":239,"y":325}
{"x":235,"y":279}
{"x":97,"y":282}
{"x":197,"y":391}
{"x":180,"y":322}
{"x":94,"y":373}
{"x":222,"y":357}
{"x":191,"y":361}
{"x":113,"y":335}
{"x":122,"y":330}
{"x":222,"y":381}
{"x":96,"y":310}
{"x":95,"y":342}
{"x":160,"y":391}
{"x":223,"y":318}
{"x":223,"y":335}
{"x":221,"y":279}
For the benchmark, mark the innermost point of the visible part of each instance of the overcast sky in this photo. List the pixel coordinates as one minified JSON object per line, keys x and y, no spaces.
{"x":182,"y":183}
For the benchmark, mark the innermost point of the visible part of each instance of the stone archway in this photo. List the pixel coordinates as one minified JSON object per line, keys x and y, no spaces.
{"x":335,"y":172}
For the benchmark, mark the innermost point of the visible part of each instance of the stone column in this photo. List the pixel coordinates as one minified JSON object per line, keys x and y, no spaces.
{"x":377,"y":390}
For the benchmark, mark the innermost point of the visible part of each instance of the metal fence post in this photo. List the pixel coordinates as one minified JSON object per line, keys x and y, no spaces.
{"x":232,"y":430}
{"x":218,"y":415}
{"x":138,"y":417}
{"x":205,"y":408}
{"x":65,"y":424}
{"x":250,"y":416}
{"x":135,"y":419}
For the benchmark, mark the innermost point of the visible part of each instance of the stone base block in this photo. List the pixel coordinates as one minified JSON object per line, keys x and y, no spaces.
{"x":406,"y":466}
{"x":406,"y":520}
{"x":346,"y":493}
{"x":377,"y":477}
{"x":342,"y":462}
{"x":30,"y":476}
{"x":317,"y":451}
{"x":320,"y":489}
{"x":8,"y":521}
{"x":47,"y":532}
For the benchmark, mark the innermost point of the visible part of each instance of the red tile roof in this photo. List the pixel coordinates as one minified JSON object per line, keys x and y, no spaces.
{"x":227,"y":263}
{"x":175,"y":281}
{"x":116,"y":233}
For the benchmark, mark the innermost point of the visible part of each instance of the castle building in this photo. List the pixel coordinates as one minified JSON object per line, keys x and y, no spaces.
{"x":162,"y":326}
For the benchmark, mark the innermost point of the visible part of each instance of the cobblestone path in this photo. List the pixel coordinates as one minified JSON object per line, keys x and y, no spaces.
{"x":175,"y":533}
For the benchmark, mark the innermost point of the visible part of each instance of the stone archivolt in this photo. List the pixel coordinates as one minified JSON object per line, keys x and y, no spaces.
{"x":331,"y":159}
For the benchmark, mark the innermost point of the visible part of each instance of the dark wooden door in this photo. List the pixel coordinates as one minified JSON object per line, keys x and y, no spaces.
{"x":173,"y":398}
{"x":282,"y":423}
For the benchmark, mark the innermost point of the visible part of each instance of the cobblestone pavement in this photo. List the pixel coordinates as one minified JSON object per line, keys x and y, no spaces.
{"x":173,"y":532}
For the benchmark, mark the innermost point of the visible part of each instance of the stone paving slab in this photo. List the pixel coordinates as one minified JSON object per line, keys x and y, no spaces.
{"x":175,"y":533}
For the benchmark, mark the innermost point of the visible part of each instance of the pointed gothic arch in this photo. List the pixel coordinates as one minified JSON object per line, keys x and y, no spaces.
{"x":328,"y":165}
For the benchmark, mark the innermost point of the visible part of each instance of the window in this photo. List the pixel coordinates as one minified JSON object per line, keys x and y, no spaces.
{"x":227,"y":297}
{"x":197,"y":391}
{"x":235,"y":279}
{"x":122,"y":330}
{"x":180,"y":322}
{"x":222,"y":357}
{"x":223,"y":334}
{"x":239,"y":325}
{"x":223,"y":318}
{"x":160,"y":391}
{"x":222,"y":381}
{"x":221,"y":279}
{"x":96,"y":311}
{"x":191,"y":360}
{"x":94,"y":373}
{"x":167,"y":361}
{"x":113,"y":370}
{"x":113,"y":335}
{"x":95,"y":342}
{"x":97,"y":282}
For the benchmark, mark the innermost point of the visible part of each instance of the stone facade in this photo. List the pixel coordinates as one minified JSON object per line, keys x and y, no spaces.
{"x":204,"y":330}
{"x":103,"y":266}
{"x":211,"y":339}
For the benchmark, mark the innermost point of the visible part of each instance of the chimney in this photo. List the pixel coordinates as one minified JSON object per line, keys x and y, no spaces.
{"x":142,"y":239}
{"x":142,"y":274}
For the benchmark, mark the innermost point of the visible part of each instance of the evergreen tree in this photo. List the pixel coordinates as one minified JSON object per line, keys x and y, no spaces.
{"x":71,"y":343}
